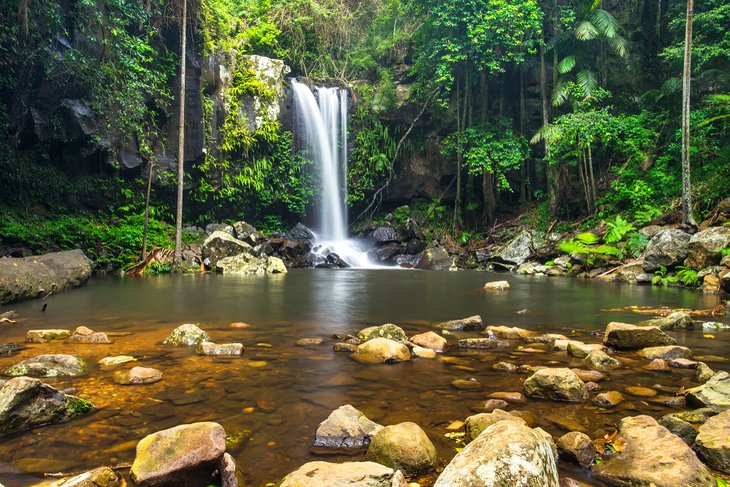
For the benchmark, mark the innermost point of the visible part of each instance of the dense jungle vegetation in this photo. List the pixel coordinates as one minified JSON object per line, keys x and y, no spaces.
{"x":570,"y":109}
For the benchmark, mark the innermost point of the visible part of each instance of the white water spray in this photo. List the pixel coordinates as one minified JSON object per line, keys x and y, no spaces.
{"x":325,"y":128}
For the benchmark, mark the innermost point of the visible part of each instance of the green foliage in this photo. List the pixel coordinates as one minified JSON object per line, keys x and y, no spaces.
{"x":587,"y":238}
{"x":636,"y":243}
{"x":494,"y":149}
{"x":114,"y":241}
{"x":646,"y":213}
{"x":617,"y":230}
{"x":684,"y":275}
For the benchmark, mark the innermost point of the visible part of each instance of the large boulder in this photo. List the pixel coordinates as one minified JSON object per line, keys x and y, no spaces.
{"x":679,"y":320}
{"x":505,"y":454}
{"x":246,"y":232}
{"x":648,"y":454}
{"x":29,"y":277}
{"x":624,"y":336}
{"x":714,"y":393}
{"x":704,"y":247}
{"x":48,"y":366}
{"x":712,"y":443}
{"x":667,"y":248}
{"x":381,"y":350}
{"x":668,"y":352}
{"x":474,"y":425}
{"x":388,"y":330}
{"x":220,"y":245}
{"x":186,"y":335}
{"x":559,"y":384}
{"x":345,"y":428}
{"x":300,"y":232}
{"x":517,"y":250}
{"x":187,"y":454}
{"x":26,"y":403}
{"x":437,"y":259}
{"x":404,"y":447}
{"x":347,"y":474}
{"x":248,"y":264}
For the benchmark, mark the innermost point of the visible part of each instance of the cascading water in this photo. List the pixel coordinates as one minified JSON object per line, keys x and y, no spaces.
{"x":325,"y":129}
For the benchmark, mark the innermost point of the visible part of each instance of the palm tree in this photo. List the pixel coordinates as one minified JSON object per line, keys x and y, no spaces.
{"x":593,"y":24}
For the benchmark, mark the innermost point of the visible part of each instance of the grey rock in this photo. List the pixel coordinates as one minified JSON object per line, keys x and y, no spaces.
{"x":300,"y":232}
{"x":578,"y":447}
{"x":666,"y":248}
{"x":27,"y":403}
{"x":517,"y":250}
{"x":388,"y":330}
{"x":714,"y":393}
{"x":474,"y":425}
{"x":601,"y":361}
{"x":345,"y":428}
{"x":505,"y":454}
{"x":469,"y":323}
{"x":703,"y":372}
{"x":211,"y":228}
{"x":679,"y":427}
{"x":349,"y":474}
{"x":668,"y":352}
{"x":678,"y":320}
{"x":210,"y":348}
{"x":437,"y":259}
{"x":45,"y":336}
{"x":704,"y":247}
{"x":713,"y":442}
{"x":220,"y":245}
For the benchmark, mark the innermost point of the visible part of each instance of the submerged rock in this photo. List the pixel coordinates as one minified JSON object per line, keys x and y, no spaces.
{"x":186,"y":335}
{"x":404,"y":447}
{"x":345,"y":428}
{"x":350,"y":474}
{"x":45,"y":336}
{"x":558,"y":384}
{"x":188,"y":454}
{"x":469,"y":323}
{"x":99,"y":477}
{"x":669,"y":352}
{"x":624,"y":336}
{"x":27,"y":403}
{"x":712,"y":443}
{"x":507,"y":332}
{"x":485,"y":343}
{"x":580,"y":350}
{"x":505,"y":454}
{"x":210,"y":348}
{"x":381,"y":350}
{"x":650,"y":455}
{"x":430,"y":340}
{"x":49,"y":366}
{"x":111,"y":362}
{"x":601,"y":361}
{"x":388,"y":330}
{"x":138,"y":375}
{"x":714,"y":393}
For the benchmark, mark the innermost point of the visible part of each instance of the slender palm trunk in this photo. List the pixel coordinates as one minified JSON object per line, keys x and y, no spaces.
{"x":181,"y":138}
{"x":686,"y":78}
{"x":147,"y":213}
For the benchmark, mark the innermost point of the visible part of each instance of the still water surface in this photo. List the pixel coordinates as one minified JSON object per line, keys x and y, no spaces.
{"x":273,"y":398}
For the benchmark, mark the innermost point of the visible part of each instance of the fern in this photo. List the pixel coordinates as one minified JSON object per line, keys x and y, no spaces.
{"x":646,"y":214}
{"x":587,"y":238}
{"x":617,"y":229}
{"x":637,"y":242}
{"x":687,"y":276}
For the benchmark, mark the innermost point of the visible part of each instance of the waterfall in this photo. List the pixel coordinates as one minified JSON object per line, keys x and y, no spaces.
{"x":323,"y":120}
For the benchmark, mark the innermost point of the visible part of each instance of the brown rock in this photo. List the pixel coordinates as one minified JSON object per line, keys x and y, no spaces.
{"x":431,"y":340}
{"x":608,"y":399}
{"x":138,"y":375}
{"x":513,"y":397}
{"x":578,"y":447}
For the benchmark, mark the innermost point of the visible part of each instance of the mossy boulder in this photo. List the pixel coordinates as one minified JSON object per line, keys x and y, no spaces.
{"x":99,"y":477}
{"x":27,"y":403}
{"x":50,"y":365}
{"x":668,"y":352}
{"x":477,"y":423}
{"x":624,"y":336}
{"x":187,"y":454}
{"x":381,"y":350}
{"x":186,"y":335}
{"x":345,"y":428}
{"x":388,"y":330}
{"x":404,"y":447}
{"x":558,"y":384}
{"x":45,"y":336}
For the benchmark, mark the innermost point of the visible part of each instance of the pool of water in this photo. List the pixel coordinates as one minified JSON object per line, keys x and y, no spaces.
{"x":273,"y":397}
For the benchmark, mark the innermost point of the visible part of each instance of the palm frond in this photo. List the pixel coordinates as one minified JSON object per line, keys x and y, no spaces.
{"x":619,"y":45}
{"x":587,"y":81}
{"x":606,"y":23}
{"x":561,"y":92}
{"x":566,"y":65}
{"x":545,"y":133}
{"x":586,"y":31}
{"x":672,"y":85}
{"x":557,"y":40}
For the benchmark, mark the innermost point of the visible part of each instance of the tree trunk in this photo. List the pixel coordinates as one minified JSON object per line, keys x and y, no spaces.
{"x":181,"y":138}
{"x":594,"y":196}
{"x":524,"y":193}
{"x":490,"y":198}
{"x":687,"y":217}
{"x":147,"y":213}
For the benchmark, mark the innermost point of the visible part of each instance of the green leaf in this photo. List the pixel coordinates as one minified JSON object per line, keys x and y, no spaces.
{"x":586,"y":31}
{"x":566,"y":65}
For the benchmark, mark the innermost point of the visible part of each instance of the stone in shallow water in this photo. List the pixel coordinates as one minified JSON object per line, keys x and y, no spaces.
{"x":703,"y":372}
{"x":83,"y":334}
{"x":186,"y":335}
{"x":404,"y":447}
{"x":513,"y":397}
{"x":657,"y":365}
{"x":608,"y":399}
{"x":430,"y":340}
{"x":138,"y":375}
{"x":474,"y":425}
{"x":210,"y":348}
{"x":469,"y":323}
{"x":713,"y":442}
{"x":344,"y":428}
{"x":713,"y":393}
{"x":558,"y":384}
{"x":506,"y":366}
{"x":187,"y":454}
{"x":388,"y":330}
{"x":482,"y":343}
{"x":99,"y":477}
{"x":650,"y":454}
{"x":578,"y":447}
{"x":45,"y":336}
{"x":589,"y":375}
{"x":381,"y":350}
{"x":27,"y":403}
{"x":641,"y":391}
{"x":679,"y":427}
{"x":580,"y":350}
{"x":624,"y":336}
{"x":48,"y":366}
{"x":111,"y":362}
{"x":497,"y":286}
{"x":309,"y":342}
{"x":669,"y":352}
{"x":601,"y":361}
{"x":466,"y":384}
{"x":423,"y":352}
{"x":507,"y":332}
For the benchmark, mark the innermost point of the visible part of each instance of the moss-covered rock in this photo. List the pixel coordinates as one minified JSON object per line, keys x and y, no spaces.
{"x":559,"y":384}
{"x":388,"y":330}
{"x":186,"y":335}
{"x":381,"y":350}
{"x":404,"y":447}
{"x":50,"y":365}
